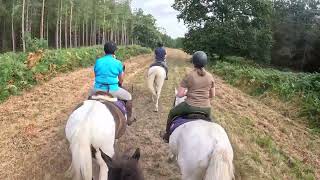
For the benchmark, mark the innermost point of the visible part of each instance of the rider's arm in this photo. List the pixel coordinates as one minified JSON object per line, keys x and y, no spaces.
{"x":212,"y":92}
{"x":165,"y":55}
{"x":184,"y":85}
{"x":181,"y":92}
{"x":121,"y":74}
{"x":121,"y":78}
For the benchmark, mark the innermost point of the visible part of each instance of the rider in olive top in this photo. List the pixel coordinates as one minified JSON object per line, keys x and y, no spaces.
{"x":109,"y":74}
{"x":199,"y":88}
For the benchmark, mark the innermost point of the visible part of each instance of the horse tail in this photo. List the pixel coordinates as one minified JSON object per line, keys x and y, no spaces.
{"x":220,"y":166}
{"x":80,"y":148}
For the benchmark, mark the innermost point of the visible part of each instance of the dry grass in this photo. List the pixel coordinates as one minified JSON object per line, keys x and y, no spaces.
{"x":267,"y":144}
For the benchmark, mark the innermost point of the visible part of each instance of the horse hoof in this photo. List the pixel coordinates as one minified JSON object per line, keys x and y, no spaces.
{"x":156,"y":110}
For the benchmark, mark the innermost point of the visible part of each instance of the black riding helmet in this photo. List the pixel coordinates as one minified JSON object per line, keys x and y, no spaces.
{"x":199,"y":59}
{"x":110,"y":47}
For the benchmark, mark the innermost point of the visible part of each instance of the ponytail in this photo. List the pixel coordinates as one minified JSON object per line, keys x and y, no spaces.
{"x":201,"y":71}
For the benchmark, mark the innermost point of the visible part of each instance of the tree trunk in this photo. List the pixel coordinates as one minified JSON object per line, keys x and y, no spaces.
{"x":60,"y":26}
{"x":70,"y":30}
{"x":122,"y":33}
{"x":42,"y":20}
{"x":57,"y":27}
{"x":99,"y":35}
{"x":95,"y":30}
{"x":13,"y":35}
{"x":75,"y":34}
{"x":47,"y":31}
{"x":91,"y":33}
{"x":83,"y":32}
{"x":22,"y":27}
{"x":66,"y":30}
{"x":27,"y":17}
{"x":57,"y":32}
{"x":87,"y":33}
{"x":104,"y":26}
{"x":111,"y":35}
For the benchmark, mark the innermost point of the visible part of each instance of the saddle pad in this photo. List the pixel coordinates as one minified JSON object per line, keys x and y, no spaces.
{"x":119,"y":118}
{"x":104,"y":98}
{"x":180,"y":120}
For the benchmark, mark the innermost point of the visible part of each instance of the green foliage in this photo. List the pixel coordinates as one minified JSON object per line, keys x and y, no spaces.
{"x":34,"y":44}
{"x":228,"y":28}
{"x":257,"y":80}
{"x":145,"y":30}
{"x":15,"y":75}
{"x":147,"y":34}
{"x":296,"y":35}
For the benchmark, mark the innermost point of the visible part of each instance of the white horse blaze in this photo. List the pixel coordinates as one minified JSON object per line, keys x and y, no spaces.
{"x":91,"y":124}
{"x":156,"y":77}
{"x":203,"y":151}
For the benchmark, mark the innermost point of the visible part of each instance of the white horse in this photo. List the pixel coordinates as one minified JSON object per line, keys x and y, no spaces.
{"x":92,"y":125}
{"x":202,"y":149}
{"x":156,"y":77}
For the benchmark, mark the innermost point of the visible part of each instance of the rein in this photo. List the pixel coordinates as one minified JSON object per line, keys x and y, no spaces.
{"x":174,"y":102}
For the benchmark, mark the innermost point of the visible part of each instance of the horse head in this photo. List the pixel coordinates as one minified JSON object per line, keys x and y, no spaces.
{"x":124,"y":167}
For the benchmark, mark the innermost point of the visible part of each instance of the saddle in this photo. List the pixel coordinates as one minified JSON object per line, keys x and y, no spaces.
{"x":158,"y":63}
{"x":117,"y":109}
{"x":180,"y":120}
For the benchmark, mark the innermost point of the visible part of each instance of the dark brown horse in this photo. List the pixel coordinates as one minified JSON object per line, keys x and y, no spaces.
{"x":123,"y":167}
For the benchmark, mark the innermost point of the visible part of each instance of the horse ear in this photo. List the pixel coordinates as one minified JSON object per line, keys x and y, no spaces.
{"x":136,"y":154}
{"x":107,"y":159}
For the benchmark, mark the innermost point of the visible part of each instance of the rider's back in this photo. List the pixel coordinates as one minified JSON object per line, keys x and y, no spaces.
{"x":198,"y":88}
{"x":107,"y":70}
{"x":160,"y":53}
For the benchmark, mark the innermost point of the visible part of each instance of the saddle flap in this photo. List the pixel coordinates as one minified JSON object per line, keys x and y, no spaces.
{"x":158,"y":64}
{"x":102,"y":95}
{"x":197,"y":115}
{"x":119,"y":118}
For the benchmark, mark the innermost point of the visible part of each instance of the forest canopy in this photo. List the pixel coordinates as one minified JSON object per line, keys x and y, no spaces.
{"x":281,"y":32}
{"x":31,"y":24}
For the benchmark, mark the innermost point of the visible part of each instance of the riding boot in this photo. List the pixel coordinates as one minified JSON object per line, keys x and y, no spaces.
{"x":165,"y":134}
{"x":130,"y":117}
{"x":166,"y":68}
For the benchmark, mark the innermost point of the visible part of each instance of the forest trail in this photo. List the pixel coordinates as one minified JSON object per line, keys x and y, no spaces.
{"x":267,"y":144}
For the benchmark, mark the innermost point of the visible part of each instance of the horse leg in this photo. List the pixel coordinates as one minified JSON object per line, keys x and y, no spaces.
{"x":159,"y":83}
{"x":151,"y":79}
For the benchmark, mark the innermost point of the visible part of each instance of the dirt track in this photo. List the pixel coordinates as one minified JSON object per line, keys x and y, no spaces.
{"x":267,"y":144}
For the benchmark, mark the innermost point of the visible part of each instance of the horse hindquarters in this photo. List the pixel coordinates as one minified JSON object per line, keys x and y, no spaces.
{"x":211,"y":160}
{"x":80,"y":150}
{"x":221,"y":161}
{"x":220,"y":166}
{"x":91,"y":115}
